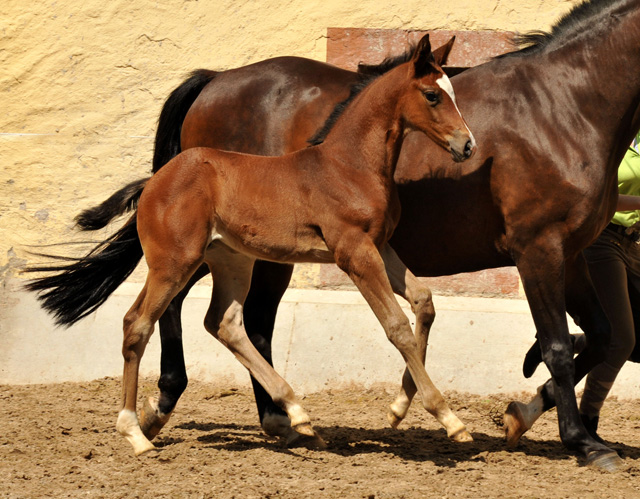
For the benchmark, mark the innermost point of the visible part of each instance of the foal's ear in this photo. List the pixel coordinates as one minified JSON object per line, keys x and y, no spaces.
{"x":422,"y":59}
{"x":442,"y":53}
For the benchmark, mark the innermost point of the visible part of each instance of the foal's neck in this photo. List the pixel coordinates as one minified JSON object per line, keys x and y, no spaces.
{"x":369,"y":133}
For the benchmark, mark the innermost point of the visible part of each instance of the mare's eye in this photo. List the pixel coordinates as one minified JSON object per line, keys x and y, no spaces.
{"x":431,"y":96}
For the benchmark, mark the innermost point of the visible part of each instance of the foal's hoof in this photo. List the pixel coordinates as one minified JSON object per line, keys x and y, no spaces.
{"x":461,"y":436}
{"x":605,"y":460}
{"x":514,"y":423}
{"x":303,"y":435}
{"x":394,"y":419}
{"x":151,"y":419}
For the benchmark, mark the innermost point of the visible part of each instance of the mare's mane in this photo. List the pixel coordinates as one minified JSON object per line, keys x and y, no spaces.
{"x":580,"y":18}
{"x":367,"y":73}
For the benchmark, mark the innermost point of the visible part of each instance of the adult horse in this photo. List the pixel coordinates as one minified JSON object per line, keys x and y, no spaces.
{"x":553,"y":120}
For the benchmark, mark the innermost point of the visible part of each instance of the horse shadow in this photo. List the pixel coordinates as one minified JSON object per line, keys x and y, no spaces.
{"x":411,"y":444}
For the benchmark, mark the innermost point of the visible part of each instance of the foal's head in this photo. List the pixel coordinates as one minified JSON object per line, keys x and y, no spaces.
{"x":429,"y":104}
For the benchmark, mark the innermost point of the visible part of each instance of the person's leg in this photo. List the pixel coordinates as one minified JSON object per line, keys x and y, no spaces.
{"x":611,"y":263}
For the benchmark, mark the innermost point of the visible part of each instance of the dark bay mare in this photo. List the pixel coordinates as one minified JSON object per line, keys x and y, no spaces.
{"x":334,"y":202}
{"x":552,"y":120}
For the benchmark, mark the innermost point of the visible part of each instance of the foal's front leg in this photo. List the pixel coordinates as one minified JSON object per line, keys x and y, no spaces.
{"x":362,"y":261}
{"x":405,"y":284}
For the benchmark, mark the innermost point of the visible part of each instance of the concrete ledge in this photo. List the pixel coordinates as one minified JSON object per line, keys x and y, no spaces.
{"x":323,"y":339}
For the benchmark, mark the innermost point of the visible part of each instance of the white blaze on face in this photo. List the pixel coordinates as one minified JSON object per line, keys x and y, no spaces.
{"x":445,"y":84}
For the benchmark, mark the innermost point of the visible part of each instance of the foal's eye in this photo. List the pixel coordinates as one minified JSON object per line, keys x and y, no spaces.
{"x":431,"y":96}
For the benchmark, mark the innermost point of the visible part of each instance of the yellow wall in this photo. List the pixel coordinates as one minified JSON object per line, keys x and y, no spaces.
{"x":82,"y":83}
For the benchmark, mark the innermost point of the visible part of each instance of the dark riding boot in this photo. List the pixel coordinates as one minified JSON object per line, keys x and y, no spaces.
{"x":591,"y":425}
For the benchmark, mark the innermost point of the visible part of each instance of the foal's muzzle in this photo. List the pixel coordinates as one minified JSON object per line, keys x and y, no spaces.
{"x":462,"y":147}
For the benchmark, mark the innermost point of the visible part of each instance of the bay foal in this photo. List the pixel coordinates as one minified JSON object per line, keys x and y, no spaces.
{"x":335,"y":202}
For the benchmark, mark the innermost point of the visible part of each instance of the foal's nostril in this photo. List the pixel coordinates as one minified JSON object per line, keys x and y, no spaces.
{"x":468,"y":149}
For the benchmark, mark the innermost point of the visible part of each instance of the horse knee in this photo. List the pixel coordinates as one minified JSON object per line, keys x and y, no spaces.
{"x":422,"y":306}
{"x":559,"y":359}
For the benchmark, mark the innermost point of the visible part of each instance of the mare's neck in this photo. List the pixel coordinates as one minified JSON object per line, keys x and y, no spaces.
{"x":369,"y":133}
{"x":601,"y":71}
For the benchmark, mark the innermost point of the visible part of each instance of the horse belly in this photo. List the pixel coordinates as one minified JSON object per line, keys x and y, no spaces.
{"x":272,"y":242}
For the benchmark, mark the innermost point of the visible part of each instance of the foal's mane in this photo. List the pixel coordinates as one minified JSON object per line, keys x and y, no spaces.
{"x":581,"y":18}
{"x":367,"y":73}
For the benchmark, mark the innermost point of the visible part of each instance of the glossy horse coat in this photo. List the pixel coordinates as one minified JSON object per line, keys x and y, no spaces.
{"x":335,"y":202}
{"x":553,"y":121}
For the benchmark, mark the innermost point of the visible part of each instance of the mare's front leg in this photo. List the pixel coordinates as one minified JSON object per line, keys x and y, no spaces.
{"x":405,"y":284}
{"x":172,"y":383}
{"x":543,"y":273}
{"x":231,"y":277}
{"x":360,"y":259}
{"x":269,"y":281}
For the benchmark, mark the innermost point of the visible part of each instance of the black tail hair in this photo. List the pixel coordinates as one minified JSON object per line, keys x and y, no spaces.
{"x":119,"y":203}
{"x":78,"y":288}
{"x":167,"y":144}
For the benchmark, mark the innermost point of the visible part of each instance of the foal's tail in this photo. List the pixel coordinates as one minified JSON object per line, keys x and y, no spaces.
{"x":80,"y":285}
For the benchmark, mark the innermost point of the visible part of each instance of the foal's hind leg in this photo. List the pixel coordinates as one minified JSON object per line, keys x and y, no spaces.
{"x":231,"y":276}
{"x":361,"y":260}
{"x":156,"y":411}
{"x":158,"y":291}
{"x":268,"y":283}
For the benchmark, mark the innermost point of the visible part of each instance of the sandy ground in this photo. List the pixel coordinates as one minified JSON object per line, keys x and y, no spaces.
{"x":59,"y":440}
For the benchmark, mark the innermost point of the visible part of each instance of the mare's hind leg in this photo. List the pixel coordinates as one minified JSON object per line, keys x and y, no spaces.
{"x":405,"y":284}
{"x":231,"y":277}
{"x":362,"y":261}
{"x":156,"y":411}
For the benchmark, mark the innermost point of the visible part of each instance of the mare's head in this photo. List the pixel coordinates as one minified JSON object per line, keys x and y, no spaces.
{"x":428,"y":103}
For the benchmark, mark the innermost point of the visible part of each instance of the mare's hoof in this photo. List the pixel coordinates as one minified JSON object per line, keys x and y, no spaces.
{"x":394,"y":420}
{"x":461,"y":436}
{"x":313,"y":442}
{"x":276,"y":425}
{"x":514,"y":423}
{"x":151,"y":419}
{"x":605,"y":460}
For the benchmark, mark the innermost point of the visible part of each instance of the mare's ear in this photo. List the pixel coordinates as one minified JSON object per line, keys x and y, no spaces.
{"x":441,"y":53}
{"x":422,"y":59}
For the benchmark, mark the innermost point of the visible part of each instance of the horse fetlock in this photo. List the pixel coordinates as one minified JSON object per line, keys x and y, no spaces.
{"x":127,"y":425}
{"x":298,"y":416}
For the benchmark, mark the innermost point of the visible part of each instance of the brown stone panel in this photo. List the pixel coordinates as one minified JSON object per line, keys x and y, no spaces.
{"x":346,"y":47}
{"x":499,"y":283}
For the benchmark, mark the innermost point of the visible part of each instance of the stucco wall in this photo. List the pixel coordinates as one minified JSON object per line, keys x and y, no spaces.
{"x":82,"y":83}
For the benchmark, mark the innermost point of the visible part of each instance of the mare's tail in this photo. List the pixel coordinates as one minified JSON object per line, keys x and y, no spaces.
{"x":79,"y":286}
{"x":167,"y":146}
{"x":173,"y":113}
